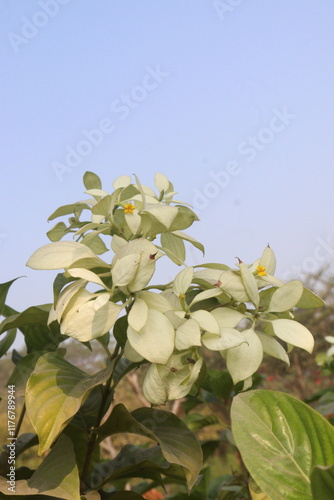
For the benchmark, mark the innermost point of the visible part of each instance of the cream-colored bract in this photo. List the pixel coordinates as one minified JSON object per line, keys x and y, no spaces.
{"x":59,"y":255}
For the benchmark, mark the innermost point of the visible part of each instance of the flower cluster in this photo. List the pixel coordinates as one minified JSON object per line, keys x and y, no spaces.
{"x":241,"y":313}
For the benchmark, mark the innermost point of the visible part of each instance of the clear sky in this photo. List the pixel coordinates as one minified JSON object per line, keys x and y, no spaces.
{"x":231,"y":99}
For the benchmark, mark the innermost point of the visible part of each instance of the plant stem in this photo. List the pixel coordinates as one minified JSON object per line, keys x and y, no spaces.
{"x":93,"y":436}
{"x":21,"y":417}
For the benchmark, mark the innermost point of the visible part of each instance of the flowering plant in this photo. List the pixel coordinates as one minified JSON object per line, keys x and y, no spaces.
{"x":241,"y":313}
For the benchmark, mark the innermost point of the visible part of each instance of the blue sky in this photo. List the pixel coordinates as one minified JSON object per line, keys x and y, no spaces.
{"x":232,"y":100}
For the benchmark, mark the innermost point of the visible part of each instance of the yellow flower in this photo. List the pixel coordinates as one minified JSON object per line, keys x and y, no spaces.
{"x":129,"y":208}
{"x":261,"y":270}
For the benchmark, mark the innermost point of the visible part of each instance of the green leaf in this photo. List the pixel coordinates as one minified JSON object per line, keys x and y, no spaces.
{"x":33,"y":324}
{"x":4,"y":287}
{"x":57,"y":476}
{"x":7,"y":341}
{"x":184,"y":218}
{"x":55,"y":391}
{"x":94,"y":242}
{"x":24,"y":442}
{"x":69,"y":209}
{"x":128,"y":193}
{"x":184,"y":236}
{"x":120,"y":329}
{"x":102,"y":207}
{"x":214,"y":265}
{"x":196,"y":421}
{"x":92,"y":181}
{"x":309,"y":300}
{"x":256,"y":492}
{"x":58,"y":284}
{"x":133,"y":461}
{"x":31,"y":316}
{"x":80,"y":437}
{"x":22,"y":371}
{"x":178,"y":444}
{"x":322,"y":482}
{"x":124,"y":366}
{"x":219,"y":383}
{"x":280,"y":440}
{"x":174,"y":247}
{"x":57,"y":232}
{"x":265,"y":297}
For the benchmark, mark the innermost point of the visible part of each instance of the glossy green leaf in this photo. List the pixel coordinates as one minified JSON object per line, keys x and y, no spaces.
{"x":219,"y":383}
{"x":58,"y":284}
{"x":120,"y":329}
{"x":280,"y":440}
{"x":33,"y":324}
{"x":7,"y":342}
{"x":31,"y":316}
{"x":57,"y":476}
{"x":22,"y":371}
{"x":322,"y":482}
{"x":178,"y":444}
{"x":133,"y":461}
{"x":55,"y":391}
{"x":4,"y":287}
